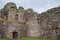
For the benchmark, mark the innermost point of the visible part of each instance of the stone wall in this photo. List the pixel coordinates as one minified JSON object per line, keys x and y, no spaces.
{"x":29,"y":23}
{"x":49,"y":21}
{"x":22,"y":21}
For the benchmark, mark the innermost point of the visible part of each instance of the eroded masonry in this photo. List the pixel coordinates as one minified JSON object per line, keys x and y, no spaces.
{"x":27,"y":23}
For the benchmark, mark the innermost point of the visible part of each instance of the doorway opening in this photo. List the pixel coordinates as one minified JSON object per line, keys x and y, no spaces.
{"x":15,"y":35}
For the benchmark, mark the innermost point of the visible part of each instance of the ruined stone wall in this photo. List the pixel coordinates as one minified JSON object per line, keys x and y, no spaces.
{"x":26,"y":18}
{"x":50,"y":23}
{"x":33,"y":28}
{"x":28,"y":23}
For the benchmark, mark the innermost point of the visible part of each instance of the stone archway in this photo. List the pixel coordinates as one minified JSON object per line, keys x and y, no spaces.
{"x":15,"y":34}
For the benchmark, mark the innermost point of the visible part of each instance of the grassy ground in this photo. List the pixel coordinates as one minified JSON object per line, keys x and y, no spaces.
{"x":34,"y":39}
{"x":5,"y":39}
{"x":26,"y":39}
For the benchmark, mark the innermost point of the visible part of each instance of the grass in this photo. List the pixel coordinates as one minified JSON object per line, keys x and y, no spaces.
{"x":5,"y":39}
{"x":27,"y":39}
{"x":34,"y":39}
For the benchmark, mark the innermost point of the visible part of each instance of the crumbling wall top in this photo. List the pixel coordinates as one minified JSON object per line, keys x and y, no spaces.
{"x":10,"y":5}
{"x":29,"y":10}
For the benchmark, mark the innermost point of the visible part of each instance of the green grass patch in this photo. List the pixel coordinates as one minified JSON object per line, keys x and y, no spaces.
{"x":5,"y":39}
{"x":34,"y":39}
{"x":27,"y":38}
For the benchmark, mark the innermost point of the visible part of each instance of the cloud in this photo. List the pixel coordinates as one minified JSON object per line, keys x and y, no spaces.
{"x":4,"y":2}
{"x":16,"y":1}
{"x":36,"y":5}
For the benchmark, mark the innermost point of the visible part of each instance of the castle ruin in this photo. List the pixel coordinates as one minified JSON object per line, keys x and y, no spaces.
{"x":27,"y":23}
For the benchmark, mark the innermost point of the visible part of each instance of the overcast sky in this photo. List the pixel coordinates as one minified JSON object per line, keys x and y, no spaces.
{"x":36,"y":5}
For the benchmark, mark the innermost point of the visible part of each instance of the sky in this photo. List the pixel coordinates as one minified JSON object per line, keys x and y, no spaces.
{"x":37,"y":5}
